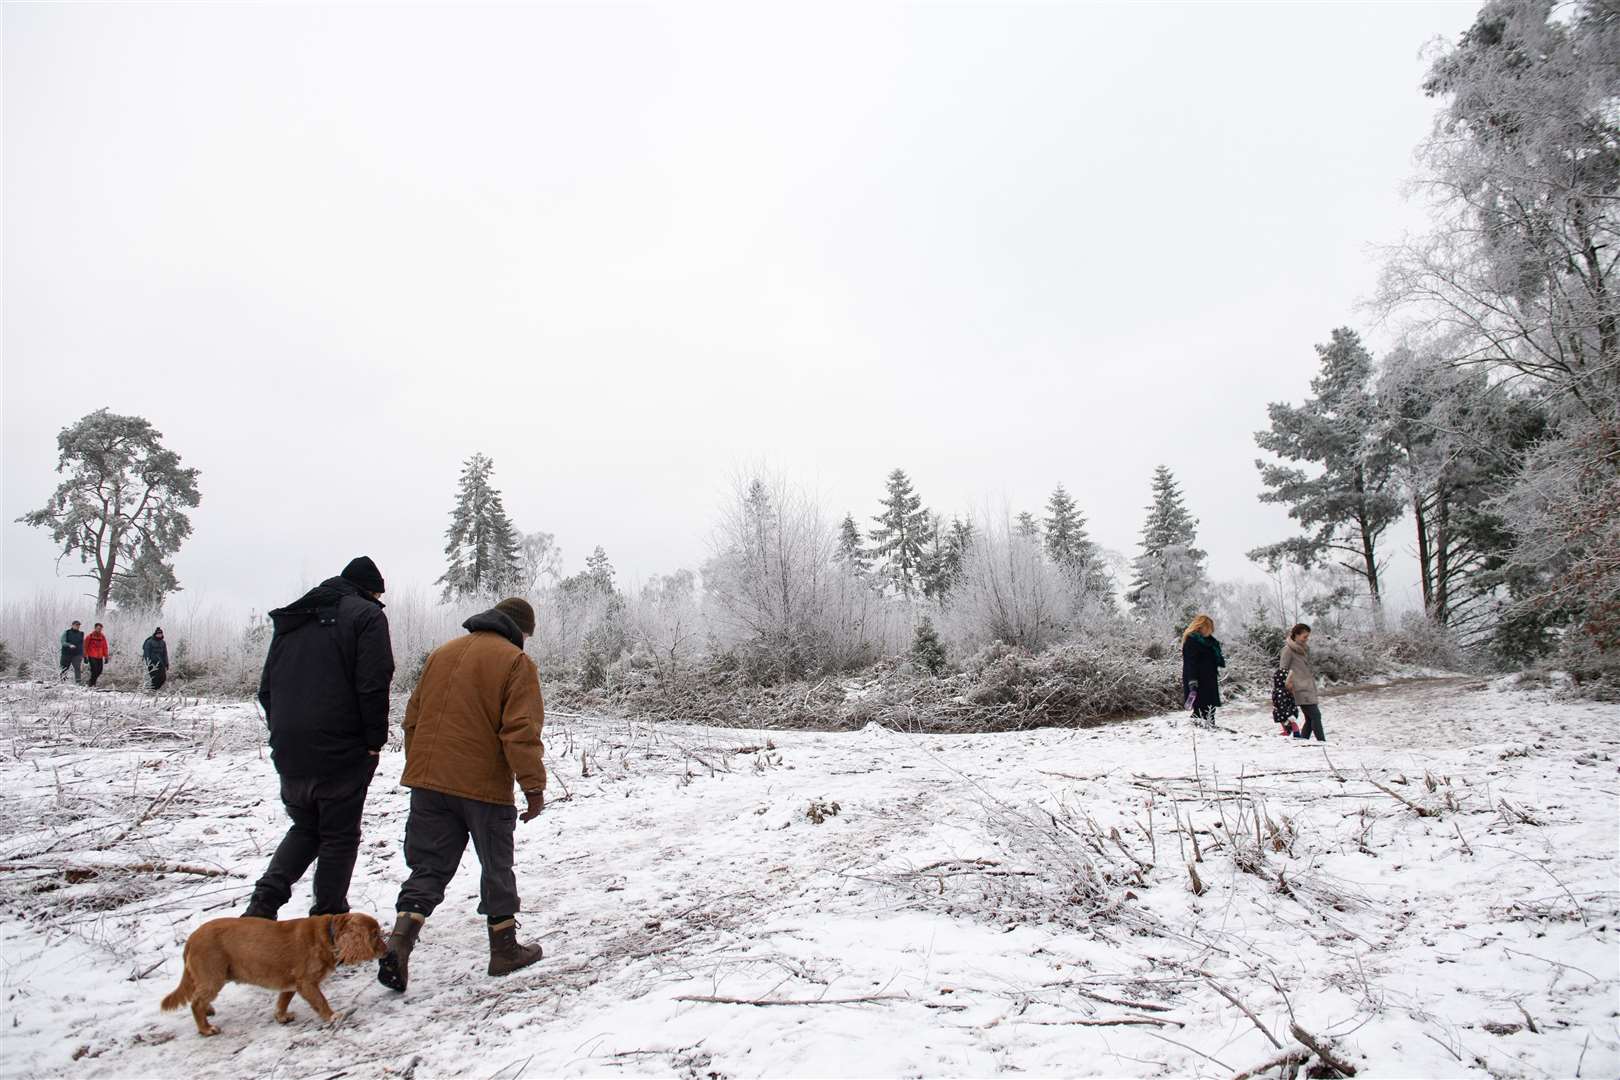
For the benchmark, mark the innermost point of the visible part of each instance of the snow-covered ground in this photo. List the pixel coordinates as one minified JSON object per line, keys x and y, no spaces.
{"x":976,"y":904}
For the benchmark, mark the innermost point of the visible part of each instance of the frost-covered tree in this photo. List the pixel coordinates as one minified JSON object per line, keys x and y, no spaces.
{"x":540,"y":558}
{"x":1071,"y":548}
{"x":665,"y":620}
{"x":1168,"y":573}
{"x":943,"y":556}
{"x":1008,"y":591}
{"x":146,"y":584}
{"x":1028,"y":527}
{"x":901,"y":533}
{"x":1524,"y":175}
{"x":851,"y":551}
{"x":121,"y":507}
{"x":1347,"y":505}
{"x":772,"y":583}
{"x":1461,"y":440}
{"x":927,"y":650}
{"x":1519,"y":273}
{"x":600,"y":569}
{"x":482,"y":546}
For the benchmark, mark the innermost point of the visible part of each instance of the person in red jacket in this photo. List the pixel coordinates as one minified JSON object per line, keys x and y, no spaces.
{"x":96,"y":651}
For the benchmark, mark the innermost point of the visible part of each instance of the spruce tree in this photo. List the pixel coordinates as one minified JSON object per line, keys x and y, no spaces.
{"x":927,"y":650}
{"x":1072,"y":550}
{"x":1028,"y":527}
{"x":1066,"y":542}
{"x":1168,"y":574}
{"x":851,"y":551}
{"x":902,"y":530}
{"x":935,"y":574}
{"x":482,"y":546}
{"x":600,"y":570}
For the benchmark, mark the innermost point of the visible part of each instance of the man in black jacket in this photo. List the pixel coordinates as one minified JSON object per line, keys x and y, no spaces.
{"x":325,"y":697}
{"x":72,"y":651}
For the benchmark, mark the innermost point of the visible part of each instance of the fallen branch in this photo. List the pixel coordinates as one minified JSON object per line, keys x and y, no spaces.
{"x":1109,"y":1021}
{"x":1329,"y":1058}
{"x":1229,"y":996}
{"x":1420,"y":811}
{"x":1295,"y":1057}
{"x":129,"y":868}
{"x":708,"y":999}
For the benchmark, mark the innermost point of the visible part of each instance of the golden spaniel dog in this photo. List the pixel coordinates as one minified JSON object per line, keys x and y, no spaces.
{"x":292,"y":956}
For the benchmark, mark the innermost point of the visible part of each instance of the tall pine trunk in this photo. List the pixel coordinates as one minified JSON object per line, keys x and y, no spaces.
{"x":1425,"y":556}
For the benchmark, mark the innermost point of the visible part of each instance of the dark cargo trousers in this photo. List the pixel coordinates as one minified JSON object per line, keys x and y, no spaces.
{"x":325,"y":830}
{"x":436,"y":834}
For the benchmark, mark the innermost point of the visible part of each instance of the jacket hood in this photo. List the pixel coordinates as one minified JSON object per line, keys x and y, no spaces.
{"x":1294,"y":646}
{"x":494,"y":621}
{"x":300,"y":611}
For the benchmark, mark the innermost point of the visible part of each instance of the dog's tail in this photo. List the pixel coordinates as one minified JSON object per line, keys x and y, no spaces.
{"x":182,"y":994}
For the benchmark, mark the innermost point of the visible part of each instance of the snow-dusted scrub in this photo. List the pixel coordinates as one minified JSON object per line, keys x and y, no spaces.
{"x":1414,"y":899}
{"x":1009,"y":592}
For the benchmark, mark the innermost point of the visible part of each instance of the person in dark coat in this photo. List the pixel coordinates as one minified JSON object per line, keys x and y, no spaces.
{"x":1201,"y":663}
{"x":73,"y":651}
{"x":155,"y":654}
{"x":325,"y":696}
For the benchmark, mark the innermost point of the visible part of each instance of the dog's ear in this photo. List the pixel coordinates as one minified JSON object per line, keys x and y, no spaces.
{"x":354,"y":938}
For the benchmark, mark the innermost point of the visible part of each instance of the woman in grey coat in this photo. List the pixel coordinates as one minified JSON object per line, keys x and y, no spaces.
{"x":1300,"y":676}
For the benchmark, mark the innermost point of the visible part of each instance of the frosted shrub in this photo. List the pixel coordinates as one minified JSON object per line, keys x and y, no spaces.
{"x":775,"y":594}
{"x":1009,"y":591}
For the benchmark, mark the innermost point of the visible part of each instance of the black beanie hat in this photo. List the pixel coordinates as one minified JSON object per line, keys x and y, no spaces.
{"x":362,"y":572}
{"x":518,"y":610}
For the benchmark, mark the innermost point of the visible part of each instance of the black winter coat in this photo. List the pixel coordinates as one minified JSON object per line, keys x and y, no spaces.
{"x":155,"y":651}
{"x":325,"y":682}
{"x":1201,"y":668}
{"x":72,"y":644}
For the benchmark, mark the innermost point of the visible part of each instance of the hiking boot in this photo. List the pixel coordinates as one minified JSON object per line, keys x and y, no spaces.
{"x":506,"y":954}
{"x":256,"y":910}
{"x":394,"y":969}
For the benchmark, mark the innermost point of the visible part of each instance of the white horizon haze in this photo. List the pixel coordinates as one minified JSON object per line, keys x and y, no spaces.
{"x":331,"y":252}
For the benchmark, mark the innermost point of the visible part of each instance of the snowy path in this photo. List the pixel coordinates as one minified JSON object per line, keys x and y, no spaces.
{"x":969,"y":885}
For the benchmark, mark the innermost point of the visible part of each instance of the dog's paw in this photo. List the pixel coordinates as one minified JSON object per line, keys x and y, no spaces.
{"x":284,"y":1018}
{"x":332,"y":1017}
{"x":208,"y":1030}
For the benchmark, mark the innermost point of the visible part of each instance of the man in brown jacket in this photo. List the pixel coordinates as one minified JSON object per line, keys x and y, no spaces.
{"x":472,"y":726}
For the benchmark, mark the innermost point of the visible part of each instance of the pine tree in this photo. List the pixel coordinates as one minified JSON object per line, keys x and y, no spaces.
{"x":1066,"y":542}
{"x":600,"y":570}
{"x":1349,"y":504}
{"x":483,"y":548}
{"x":1169,"y":572}
{"x":899,"y":537}
{"x":851,"y":551}
{"x":935,"y":573}
{"x":1072,"y":550}
{"x":927,"y":650}
{"x":1028,"y":527}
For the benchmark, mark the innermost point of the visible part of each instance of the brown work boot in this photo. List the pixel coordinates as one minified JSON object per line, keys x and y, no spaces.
{"x":394,"y":970}
{"x":506,"y":955}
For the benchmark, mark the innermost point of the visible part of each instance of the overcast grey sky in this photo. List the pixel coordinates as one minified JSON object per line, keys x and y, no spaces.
{"x":330,"y":252}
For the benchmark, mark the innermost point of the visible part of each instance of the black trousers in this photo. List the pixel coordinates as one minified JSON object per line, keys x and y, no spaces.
{"x":75,"y":663}
{"x":325,"y":814}
{"x":1313,"y":723}
{"x":436,"y":834}
{"x":159,"y":674}
{"x":96,"y":664}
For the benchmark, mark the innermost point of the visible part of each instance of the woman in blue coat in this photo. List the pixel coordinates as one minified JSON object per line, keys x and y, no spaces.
{"x":1201,"y":663}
